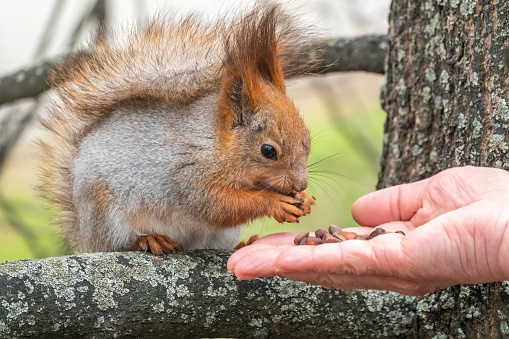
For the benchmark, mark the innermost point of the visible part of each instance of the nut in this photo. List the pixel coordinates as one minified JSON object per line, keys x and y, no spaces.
{"x":376,"y":233}
{"x":313,"y":241}
{"x":333,"y":229}
{"x":340,"y":236}
{"x":300,"y":236}
{"x":349,"y":235}
{"x":336,"y":235}
{"x":319,"y":233}
{"x":332,"y":240}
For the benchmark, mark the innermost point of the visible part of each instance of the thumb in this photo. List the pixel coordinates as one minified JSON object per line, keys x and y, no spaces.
{"x":397,"y":203}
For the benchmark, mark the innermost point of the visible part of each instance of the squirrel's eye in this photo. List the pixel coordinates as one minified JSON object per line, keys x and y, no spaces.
{"x":269,"y":152}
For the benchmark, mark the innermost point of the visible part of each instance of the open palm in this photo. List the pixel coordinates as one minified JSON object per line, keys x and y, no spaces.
{"x":455,"y":223}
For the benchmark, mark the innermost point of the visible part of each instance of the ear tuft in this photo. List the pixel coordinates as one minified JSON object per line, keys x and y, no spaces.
{"x":251,"y":53}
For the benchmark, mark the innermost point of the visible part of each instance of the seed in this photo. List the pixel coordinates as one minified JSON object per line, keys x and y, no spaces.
{"x":376,"y":232}
{"x":339,"y":236}
{"x":349,"y":235}
{"x":332,"y":240}
{"x":319,"y":233}
{"x":313,"y":241}
{"x":334,"y":229}
{"x":336,"y":235}
{"x":300,"y":236}
{"x":327,"y":236}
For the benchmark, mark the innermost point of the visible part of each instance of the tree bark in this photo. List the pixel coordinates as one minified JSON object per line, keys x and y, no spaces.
{"x":446,"y":95}
{"x":365,"y":54}
{"x":446,"y":98}
{"x":190,"y":294}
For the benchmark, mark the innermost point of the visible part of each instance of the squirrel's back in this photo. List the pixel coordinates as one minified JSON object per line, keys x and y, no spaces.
{"x":169,"y":65}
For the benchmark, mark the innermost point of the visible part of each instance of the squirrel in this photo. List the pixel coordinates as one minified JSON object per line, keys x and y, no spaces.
{"x":176,"y":135}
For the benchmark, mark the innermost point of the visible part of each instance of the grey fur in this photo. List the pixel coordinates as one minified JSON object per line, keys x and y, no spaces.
{"x":139,"y":152}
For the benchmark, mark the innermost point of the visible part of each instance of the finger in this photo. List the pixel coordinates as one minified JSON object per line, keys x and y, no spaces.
{"x":354,"y":282}
{"x":381,"y":255}
{"x":397,"y":203}
{"x":245,"y":251}
{"x":261,"y":263}
{"x":251,"y":251}
{"x":277,"y":238}
{"x":264,"y":263}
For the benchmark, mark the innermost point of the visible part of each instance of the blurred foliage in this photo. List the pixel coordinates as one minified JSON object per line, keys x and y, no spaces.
{"x":349,"y":109}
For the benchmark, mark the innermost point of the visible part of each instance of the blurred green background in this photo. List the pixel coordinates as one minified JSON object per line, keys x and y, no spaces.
{"x":342,"y":112}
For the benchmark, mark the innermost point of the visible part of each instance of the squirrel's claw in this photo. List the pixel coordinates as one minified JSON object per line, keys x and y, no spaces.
{"x":156,"y":243}
{"x":244,"y":243}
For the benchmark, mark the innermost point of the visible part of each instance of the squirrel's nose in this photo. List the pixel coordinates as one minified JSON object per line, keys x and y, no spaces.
{"x":298,"y":178}
{"x":301,"y":186}
{"x":301,"y":182}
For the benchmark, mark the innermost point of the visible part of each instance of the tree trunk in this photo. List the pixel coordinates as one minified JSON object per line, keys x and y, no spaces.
{"x":447,"y":88}
{"x":446,"y":99}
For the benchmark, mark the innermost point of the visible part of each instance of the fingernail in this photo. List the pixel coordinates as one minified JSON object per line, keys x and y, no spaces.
{"x":247,"y":277}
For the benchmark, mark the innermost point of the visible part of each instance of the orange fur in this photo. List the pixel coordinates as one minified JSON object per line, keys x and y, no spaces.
{"x":102,"y":201}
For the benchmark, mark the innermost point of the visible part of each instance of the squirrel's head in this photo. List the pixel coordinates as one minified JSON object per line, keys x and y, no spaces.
{"x":265,"y":141}
{"x":268,"y":145}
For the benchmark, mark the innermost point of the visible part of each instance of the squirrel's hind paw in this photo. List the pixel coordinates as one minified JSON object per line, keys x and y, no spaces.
{"x":244,"y":243}
{"x":156,"y":244}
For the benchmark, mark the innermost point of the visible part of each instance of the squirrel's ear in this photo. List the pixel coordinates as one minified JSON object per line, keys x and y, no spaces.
{"x":239,"y":101}
{"x":251,"y":57}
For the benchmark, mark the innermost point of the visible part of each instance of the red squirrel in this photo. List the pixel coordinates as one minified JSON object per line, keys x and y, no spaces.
{"x":177,"y":134}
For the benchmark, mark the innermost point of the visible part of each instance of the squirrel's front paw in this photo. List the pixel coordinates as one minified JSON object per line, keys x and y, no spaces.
{"x":156,"y":243}
{"x":290,"y":208}
{"x":307,"y":202}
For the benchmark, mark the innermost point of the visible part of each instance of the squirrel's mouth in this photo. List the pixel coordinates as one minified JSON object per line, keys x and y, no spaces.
{"x":278,"y":190}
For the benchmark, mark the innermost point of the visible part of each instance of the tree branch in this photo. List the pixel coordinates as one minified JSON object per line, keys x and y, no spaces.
{"x":28,"y":82}
{"x":190,"y":294}
{"x":366,"y":53}
{"x":340,"y":55}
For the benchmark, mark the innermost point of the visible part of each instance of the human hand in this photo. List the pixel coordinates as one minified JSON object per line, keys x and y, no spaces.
{"x":455,"y":223}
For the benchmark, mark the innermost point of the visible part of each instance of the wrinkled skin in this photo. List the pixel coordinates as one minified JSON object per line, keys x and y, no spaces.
{"x":456,"y":226}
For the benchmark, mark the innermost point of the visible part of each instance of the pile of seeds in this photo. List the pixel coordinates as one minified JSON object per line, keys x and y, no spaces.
{"x":335,"y":235}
